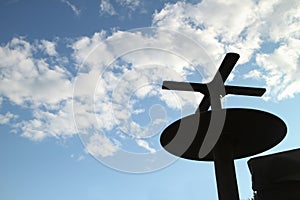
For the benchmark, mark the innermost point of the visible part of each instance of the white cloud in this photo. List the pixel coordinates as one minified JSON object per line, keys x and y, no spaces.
{"x":27,"y":80}
{"x":107,"y":8}
{"x":33,"y":129}
{"x":281,"y":70}
{"x":281,"y":19}
{"x":230,"y":77}
{"x":6,"y":119}
{"x":99,"y":145}
{"x":145,"y":145}
{"x":138,"y":111}
{"x":230,"y":27}
{"x":55,"y":123}
{"x":254,"y":74}
{"x":131,"y":4}
{"x":107,"y":90}
{"x":105,"y":94}
{"x":72,"y":6}
{"x":48,"y":47}
{"x":42,"y":88}
{"x":237,"y":26}
{"x":245,"y":27}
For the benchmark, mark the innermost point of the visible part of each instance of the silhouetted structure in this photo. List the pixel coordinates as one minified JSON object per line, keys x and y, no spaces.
{"x":245,"y":132}
{"x":276,"y":176}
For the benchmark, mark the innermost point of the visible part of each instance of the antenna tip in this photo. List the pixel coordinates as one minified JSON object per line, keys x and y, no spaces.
{"x":233,"y":54}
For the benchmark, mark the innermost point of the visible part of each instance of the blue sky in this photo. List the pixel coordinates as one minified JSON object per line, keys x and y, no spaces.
{"x":81,"y":108}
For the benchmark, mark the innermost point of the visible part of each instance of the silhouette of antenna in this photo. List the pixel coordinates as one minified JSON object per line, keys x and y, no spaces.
{"x":225,"y":69}
{"x":245,"y":132}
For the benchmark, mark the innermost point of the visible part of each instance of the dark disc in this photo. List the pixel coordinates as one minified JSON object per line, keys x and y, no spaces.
{"x":250,"y":132}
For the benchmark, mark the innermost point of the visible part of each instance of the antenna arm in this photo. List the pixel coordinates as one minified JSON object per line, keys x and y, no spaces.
{"x":184,"y":86}
{"x":249,"y":91}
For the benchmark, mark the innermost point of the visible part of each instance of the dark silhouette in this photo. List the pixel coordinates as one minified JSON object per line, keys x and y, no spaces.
{"x":244,"y":132}
{"x":276,"y":176}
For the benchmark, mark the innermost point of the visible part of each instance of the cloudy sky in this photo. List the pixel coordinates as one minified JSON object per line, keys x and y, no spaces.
{"x":81,"y":105}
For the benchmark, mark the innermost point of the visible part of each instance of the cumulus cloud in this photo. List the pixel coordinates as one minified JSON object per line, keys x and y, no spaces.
{"x":281,"y":70}
{"x":42,"y":88}
{"x":121,"y":70}
{"x":56,"y":123}
{"x":245,"y":27}
{"x":254,"y":74}
{"x":29,"y":81}
{"x":7,"y":117}
{"x":99,"y":145}
{"x":131,"y":4}
{"x":48,"y":47}
{"x":124,"y":70}
{"x":218,"y":26}
{"x":107,"y":8}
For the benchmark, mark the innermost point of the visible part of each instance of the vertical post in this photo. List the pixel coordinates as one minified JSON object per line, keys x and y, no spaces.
{"x":225,"y":170}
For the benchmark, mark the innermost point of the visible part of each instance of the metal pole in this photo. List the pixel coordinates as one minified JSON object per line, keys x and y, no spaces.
{"x":225,"y":170}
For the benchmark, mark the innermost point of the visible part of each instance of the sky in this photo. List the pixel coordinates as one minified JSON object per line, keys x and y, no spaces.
{"x":81,"y":105}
